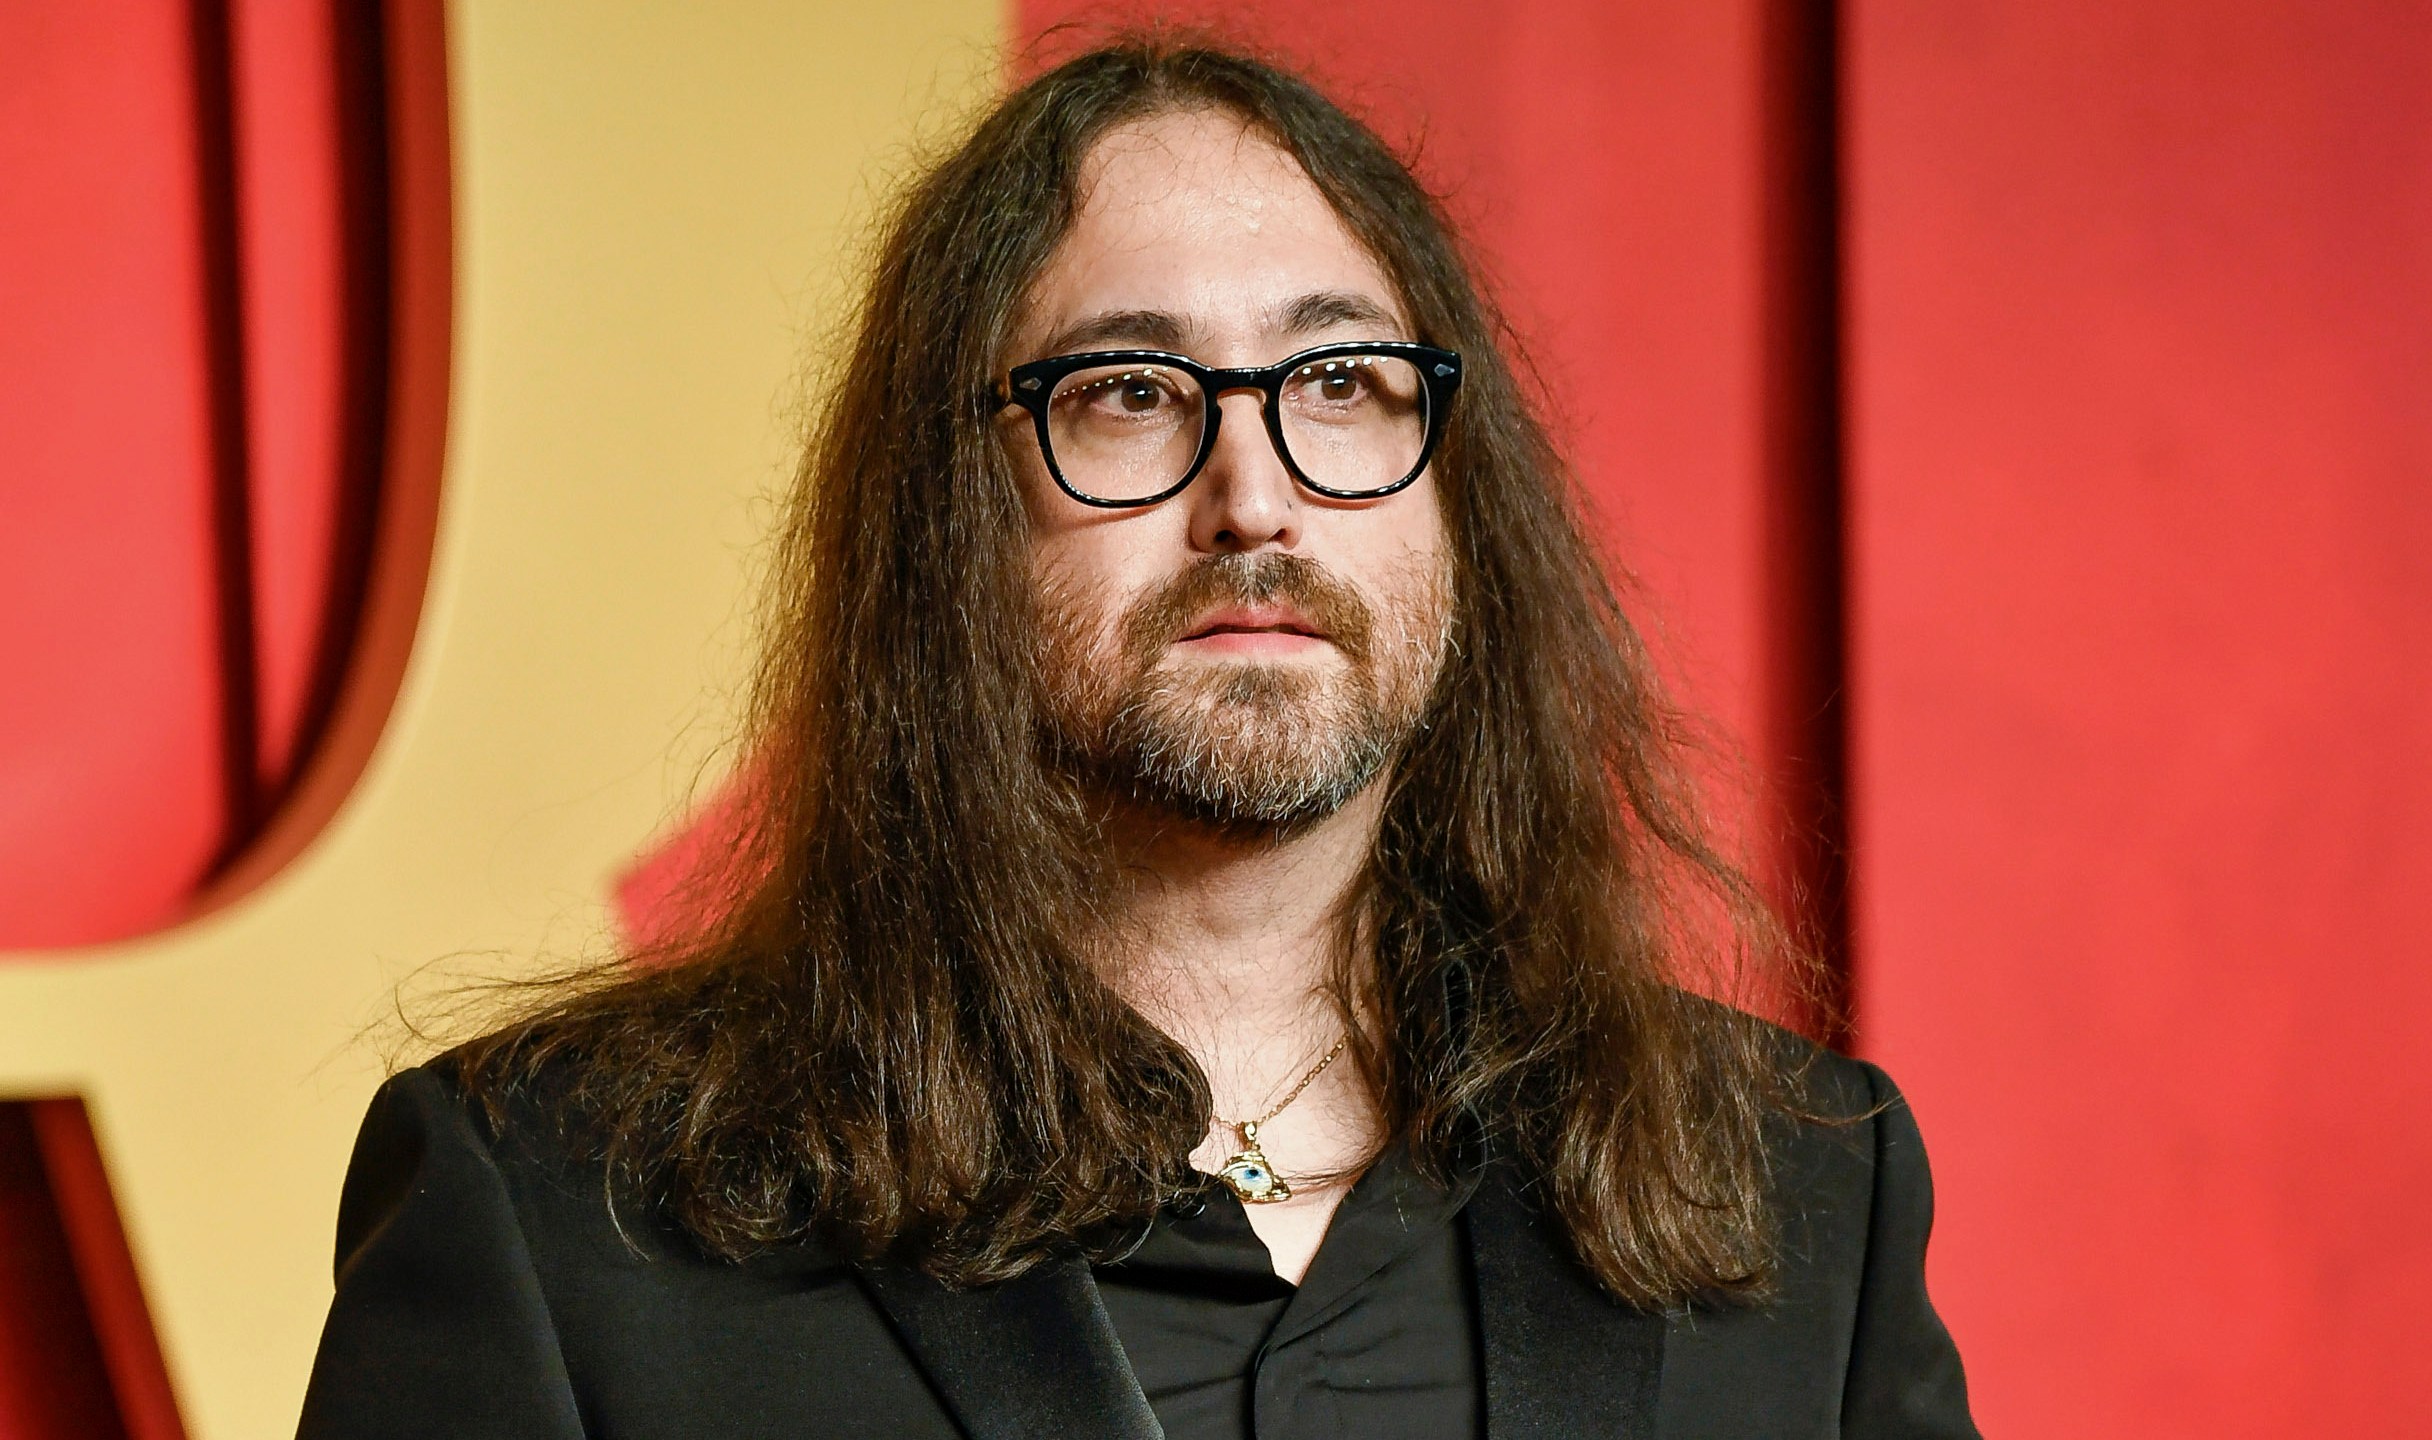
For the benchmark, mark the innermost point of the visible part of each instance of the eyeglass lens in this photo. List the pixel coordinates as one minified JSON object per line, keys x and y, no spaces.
{"x":1352,"y":423}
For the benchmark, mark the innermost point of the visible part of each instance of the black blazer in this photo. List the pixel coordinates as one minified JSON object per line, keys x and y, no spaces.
{"x":485,"y":1288}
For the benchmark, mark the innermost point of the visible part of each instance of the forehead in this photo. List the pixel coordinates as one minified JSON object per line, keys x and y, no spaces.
{"x":1196,"y":215}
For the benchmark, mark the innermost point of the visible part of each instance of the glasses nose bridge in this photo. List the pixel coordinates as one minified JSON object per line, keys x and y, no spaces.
{"x":1260,"y":382}
{"x":1220,"y":383}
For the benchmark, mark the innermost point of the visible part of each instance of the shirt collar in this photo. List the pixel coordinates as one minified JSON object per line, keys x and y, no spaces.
{"x":1204,"y":1242}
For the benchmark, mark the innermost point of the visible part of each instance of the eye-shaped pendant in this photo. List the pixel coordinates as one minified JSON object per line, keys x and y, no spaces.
{"x":1249,"y":1174}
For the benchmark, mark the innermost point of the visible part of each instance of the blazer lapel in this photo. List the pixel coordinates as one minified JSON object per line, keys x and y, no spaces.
{"x":1563,"y":1358}
{"x":1032,"y":1356}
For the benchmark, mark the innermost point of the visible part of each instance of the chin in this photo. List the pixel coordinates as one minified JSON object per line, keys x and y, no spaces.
{"x":1290,"y":678}
{"x":1267,"y":750}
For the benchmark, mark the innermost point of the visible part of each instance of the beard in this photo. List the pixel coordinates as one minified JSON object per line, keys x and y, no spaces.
{"x":1242,"y":743}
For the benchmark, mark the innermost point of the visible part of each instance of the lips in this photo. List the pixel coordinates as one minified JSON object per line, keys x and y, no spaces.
{"x":1254,"y":620}
{"x":1269,"y":605}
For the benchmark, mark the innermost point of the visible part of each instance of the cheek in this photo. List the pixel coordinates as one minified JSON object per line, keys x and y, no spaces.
{"x":1422,"y":521}
{"x":1404,"y":549}
{"x":1080,"y":605}
{"x":1105,"y":559}
{"x":1075,"y":568}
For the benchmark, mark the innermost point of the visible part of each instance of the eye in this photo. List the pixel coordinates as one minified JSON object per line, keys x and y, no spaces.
{"x":1335,"y":383}
{"x":1133,"y":393}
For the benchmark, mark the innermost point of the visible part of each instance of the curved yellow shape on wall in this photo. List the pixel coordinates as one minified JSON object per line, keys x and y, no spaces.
{"x":655,"y":210}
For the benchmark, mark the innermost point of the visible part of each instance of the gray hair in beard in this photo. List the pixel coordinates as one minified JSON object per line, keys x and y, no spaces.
{"x":1245,"y":745}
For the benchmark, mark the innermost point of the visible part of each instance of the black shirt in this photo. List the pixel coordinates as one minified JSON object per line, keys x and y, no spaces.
{"x":1380,"y":1338}
{"x":484,"y":1289}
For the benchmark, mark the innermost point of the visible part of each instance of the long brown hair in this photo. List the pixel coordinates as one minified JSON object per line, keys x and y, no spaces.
{"x":893,"y":1041}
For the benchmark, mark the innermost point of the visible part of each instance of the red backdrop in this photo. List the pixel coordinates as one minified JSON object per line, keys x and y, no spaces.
{"x":2141,"y":486}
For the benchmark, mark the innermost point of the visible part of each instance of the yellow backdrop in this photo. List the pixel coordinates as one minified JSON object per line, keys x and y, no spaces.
{"x":655,"y":209}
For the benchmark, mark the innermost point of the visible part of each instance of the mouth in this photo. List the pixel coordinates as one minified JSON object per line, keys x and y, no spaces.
{"x":1253,"y":628}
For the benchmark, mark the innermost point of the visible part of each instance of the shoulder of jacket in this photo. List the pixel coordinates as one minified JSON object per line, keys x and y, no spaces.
{"x":1818,"y":1083}
{"x":517,"y":1126}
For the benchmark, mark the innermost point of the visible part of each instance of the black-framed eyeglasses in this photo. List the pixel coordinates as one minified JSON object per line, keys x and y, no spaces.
{"x":1123,"y":428}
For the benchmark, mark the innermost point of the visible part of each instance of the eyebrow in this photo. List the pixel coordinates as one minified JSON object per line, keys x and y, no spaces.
{"x":1149,"y":329}
{"x":1165,"y":330}
{"x":1327,"y":308}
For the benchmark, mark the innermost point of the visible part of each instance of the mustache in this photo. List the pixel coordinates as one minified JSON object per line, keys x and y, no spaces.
{"x":1169,"y":612}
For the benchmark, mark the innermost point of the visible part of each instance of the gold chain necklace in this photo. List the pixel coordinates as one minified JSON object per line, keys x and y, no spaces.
{"x":1248,"y":1173}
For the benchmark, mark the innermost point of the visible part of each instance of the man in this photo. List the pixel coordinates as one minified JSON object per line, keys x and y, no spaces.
{"x":1210,"y":965}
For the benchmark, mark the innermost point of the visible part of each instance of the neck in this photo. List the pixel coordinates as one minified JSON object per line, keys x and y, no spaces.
{"x":1230,"y":944}
{"x":1230,"y":941}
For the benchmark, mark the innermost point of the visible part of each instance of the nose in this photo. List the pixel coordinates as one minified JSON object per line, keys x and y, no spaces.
{"x":1244,"y":499}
